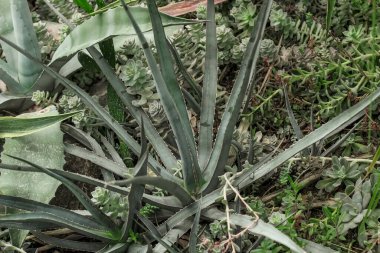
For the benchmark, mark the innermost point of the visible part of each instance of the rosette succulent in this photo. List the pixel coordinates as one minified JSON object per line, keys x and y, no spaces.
{"x":341,"y":171}
{"x":353,"y":208}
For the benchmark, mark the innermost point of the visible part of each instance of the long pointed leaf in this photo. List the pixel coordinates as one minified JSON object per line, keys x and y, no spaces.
{"x":169,"y":203}
{"x":161,"y":183}
{"x":34,"y":206}
{"x":156,"y":140}
{"x":248,"y":177}
{"x":137,"y":191}
{"x":209,"y":90}
{"x":171,"y":97}
{"x":101,"y":112}
{"x":111,"y":23}
{"x":219,"y":156}
{"x":21,"y":126}
{"x":40,"y":220}
{"x":81,"y":196}
{"x":69,"y":244}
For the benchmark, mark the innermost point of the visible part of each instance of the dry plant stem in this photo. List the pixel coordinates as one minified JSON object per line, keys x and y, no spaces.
{"x":231,"y":237}
{"x":63,"y":231}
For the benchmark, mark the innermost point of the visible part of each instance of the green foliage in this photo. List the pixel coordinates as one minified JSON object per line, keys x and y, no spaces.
{"x":353,"y":208}
{"x":341,"y":171}
{"x":112,"y":204}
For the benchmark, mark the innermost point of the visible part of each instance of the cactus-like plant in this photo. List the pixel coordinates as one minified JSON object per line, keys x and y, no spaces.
{"x":340,"y":172}
{"x":353,"y":208}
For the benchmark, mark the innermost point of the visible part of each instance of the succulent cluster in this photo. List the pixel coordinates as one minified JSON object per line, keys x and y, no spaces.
{"x":341,"y":171}
{"x":353,"y":208}
{"x":297,"y":29}
{"x":69,"y":102}
{"x":111,"y":203}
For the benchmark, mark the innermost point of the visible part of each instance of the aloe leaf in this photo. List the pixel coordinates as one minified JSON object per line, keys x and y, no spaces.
{"x":210,"y":82}
{"x":219,"y":155}
{"x":169,"y":202}
{"x":44,"y":147}
{"x":69,"y":244}
{"x":9,"y":76}
{"x":194,"y":230}
{"x":17,"y":26}
{"x":118,"y":169}
{"x":41,"y":220}
{"x":137,"y":191}
{"x":38,"y":207}
{"x":171,"y":97}
{"x":156,"y":140}
{"x":159,"y":182}
{"x":81,"y":196}
{"x":322,"y":132}
{"x":115,"y":248}
{"x":188,"y":78}
{"x":91,"y":143}
{"x":154,"y":232}
{"x":101,"y":112}
{"x":173,"y":234}
{"x":26,"y":124}
{"x":256,"y":227}
{"x":110,"y":23}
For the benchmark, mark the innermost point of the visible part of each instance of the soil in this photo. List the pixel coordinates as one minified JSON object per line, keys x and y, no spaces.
{"x":63,"y":197}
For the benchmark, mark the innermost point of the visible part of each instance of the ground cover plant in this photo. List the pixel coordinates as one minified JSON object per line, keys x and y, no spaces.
{"x":242,"y":126}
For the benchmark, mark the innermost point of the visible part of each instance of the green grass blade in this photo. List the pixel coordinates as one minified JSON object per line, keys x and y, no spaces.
{"x":330,"y":12}
{"x":101,"y":112}
{"x":209,"y":90}
{"x":293,"y":121}
{"x":219,"y":155}
{"x":98,"y":215}
{"x":20,"y":126}
{"x":85,"y":5}
{"x":171,"y":97}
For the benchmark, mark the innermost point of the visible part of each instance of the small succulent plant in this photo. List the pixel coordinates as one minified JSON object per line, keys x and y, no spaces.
{"x":353,"y":145}
{"x":70,"y":102}
{"x":354,"y":34}
{"x":218,"y":229}
{"x":244,"y":15}
{"x":353,"y":208}
{"x":268,"y":50}
{"x":138,"y":81}
{"x":341,"y":171}
{"x":111,"y":203}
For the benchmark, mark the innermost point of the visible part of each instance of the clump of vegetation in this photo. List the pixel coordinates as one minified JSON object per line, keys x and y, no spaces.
{"x":216,"y":131}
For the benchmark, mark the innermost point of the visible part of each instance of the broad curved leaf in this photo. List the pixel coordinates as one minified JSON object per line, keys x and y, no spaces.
{"x":108,"y":24}
{"x":26,"y":124}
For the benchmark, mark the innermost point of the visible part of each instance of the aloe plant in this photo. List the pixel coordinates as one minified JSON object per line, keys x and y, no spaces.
{"x":202,"y":161}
